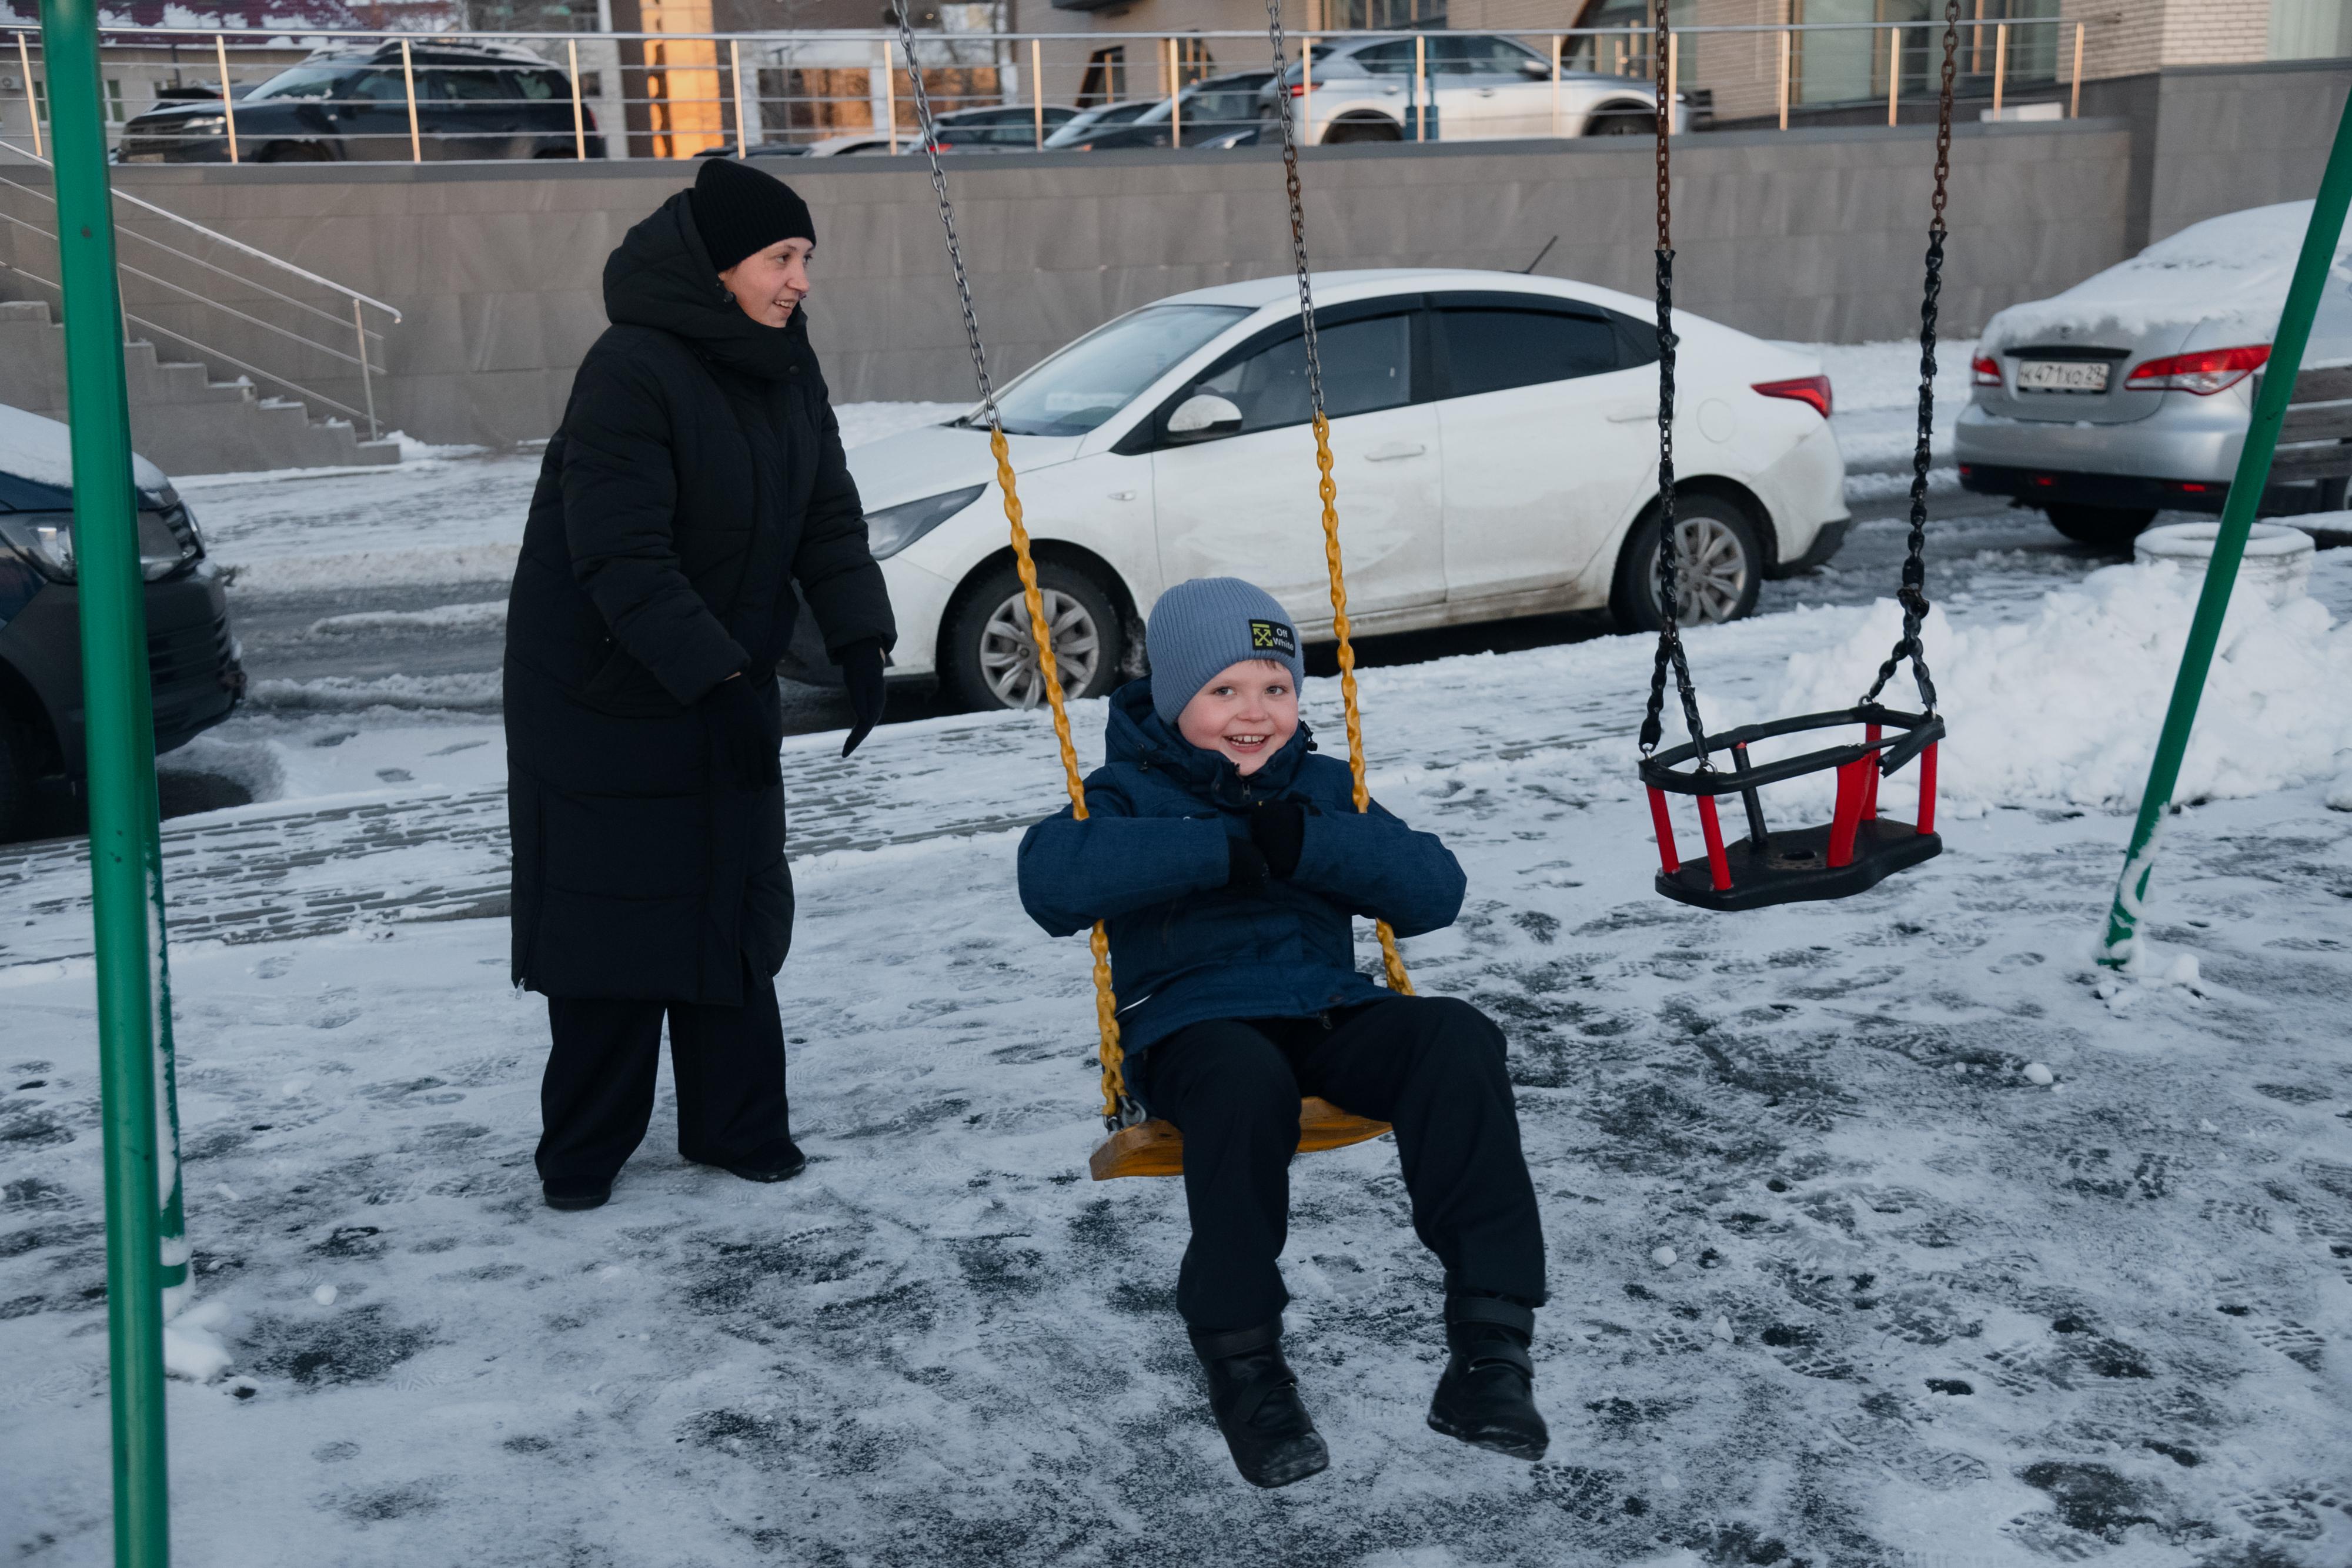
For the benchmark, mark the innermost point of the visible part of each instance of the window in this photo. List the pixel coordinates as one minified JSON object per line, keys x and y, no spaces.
{"x":464,"y":84}
{"x":113,"y":98}
{"x":541,"y":86}
{"x":1471,"y":54}
{"x":375,"y":87}
{"x":1101,"y":374}
{"x":1366,"y":365}
{"x":1380,"y":15}
{"x":1493,"y":351}
{"x":1105,"y":78}
{"x":1393,"y":58}
{"x":304,"y":81}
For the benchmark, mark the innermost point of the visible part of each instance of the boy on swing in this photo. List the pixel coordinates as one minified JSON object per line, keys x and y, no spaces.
{"x":1228,"y":860}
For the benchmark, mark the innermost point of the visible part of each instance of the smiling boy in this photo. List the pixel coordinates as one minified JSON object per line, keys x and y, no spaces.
{"x":1229,"y":860}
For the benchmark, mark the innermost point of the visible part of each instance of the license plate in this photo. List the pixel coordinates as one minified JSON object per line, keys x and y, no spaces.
{"x":2063,"y":375}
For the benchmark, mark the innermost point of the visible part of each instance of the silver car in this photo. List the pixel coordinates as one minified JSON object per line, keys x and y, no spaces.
{"x":2131,"y":392}
{"x":1469,"y":86}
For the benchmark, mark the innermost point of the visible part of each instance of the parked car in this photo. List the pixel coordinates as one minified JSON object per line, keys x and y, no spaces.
{"x":998,"y":128}
{"x":2132,"y":391}
{"x":353,"y":106}
{"x":1496,"y":444}
{"x":1478,"y":85}
{"x":1088,"y":122}
{"x":1207,"y":113}
{"x":190,"y":657}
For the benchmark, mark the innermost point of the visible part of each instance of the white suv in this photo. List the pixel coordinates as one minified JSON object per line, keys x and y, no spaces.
{"x":1474,"y":86}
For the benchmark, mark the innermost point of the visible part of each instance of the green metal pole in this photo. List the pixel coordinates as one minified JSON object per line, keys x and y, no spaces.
{"x":120,"y":738}
{"x":2270,"y":402}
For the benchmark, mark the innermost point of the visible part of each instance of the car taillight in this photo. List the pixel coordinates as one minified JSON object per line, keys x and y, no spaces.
{"x":2205,"y":373}
{"x":1986,"y":370}
{"x":1298,"y":89}
{"x":1813,"y":391}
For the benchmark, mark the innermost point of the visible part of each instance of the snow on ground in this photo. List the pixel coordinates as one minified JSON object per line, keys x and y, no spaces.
{"x":449,"y":515}
{"x":1924,"y":1308}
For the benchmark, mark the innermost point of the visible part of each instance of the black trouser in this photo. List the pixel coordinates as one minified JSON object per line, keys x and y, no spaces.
{"x":1434,"y":1066}
{"x":598,"y":1094}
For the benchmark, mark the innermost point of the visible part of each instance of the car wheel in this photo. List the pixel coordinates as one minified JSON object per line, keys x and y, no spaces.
{"x":1351,"y":130}
{"x":1622,"y":124}
{"x":1721,"y":567}
{"x":2108,"y":527}
{"x":296,"y":153}
{"x":991,"y":661}
{"x":16,"y":779}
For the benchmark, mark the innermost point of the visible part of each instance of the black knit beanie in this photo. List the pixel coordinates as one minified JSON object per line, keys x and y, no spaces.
{"x":740,"y":210}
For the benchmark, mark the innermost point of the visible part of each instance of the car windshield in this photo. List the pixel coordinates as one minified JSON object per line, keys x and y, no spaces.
{"x":1075,"y":128}
{"x":304,"y":81}
{"x":1101,"y":374}
{"x":1226,"y":98}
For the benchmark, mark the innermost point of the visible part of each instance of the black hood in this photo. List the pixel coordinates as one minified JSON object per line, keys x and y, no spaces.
{"x":661,"y":276}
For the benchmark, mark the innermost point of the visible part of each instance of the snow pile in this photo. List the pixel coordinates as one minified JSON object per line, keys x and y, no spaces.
{"x":41,"y":450}
{"x":2233,"y":268}
{"x":192,"y":1343}
{"x":2066,"y":705}
{"x":475,"y":616}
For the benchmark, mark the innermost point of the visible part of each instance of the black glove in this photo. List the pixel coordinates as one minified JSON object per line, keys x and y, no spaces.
{"x":743,"y":732}
{"x":861,"y":672}
{"x":1244,"y":867}
{"x":1278,"y":829}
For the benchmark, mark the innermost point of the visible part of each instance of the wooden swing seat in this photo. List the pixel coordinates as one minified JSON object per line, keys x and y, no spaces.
{"x":1155,"y":1148}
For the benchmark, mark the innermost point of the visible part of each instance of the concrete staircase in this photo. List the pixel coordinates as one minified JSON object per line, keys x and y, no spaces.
{"x":182,"y":419}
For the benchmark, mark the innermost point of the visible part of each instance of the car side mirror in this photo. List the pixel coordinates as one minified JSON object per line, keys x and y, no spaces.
{"x":1536,"y":68}
{"x":1205,"y":414}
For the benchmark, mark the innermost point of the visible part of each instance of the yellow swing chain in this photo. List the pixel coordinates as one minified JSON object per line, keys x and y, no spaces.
{"x":1117,"y":1104}
{"x":1327,"y":487}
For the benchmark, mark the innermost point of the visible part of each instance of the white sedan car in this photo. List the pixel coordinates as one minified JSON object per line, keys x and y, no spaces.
{"x":1495,"y":446}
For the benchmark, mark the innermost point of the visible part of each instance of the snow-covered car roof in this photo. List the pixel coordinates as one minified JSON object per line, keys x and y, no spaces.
{"x":41,"y":450}
{"x":2234,"y":267}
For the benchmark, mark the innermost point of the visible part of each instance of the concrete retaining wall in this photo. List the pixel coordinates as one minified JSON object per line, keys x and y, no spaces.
{"x":1811,"y":235}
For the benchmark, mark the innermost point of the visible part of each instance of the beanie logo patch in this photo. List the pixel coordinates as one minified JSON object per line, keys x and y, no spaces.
{"x":1273,"y":637}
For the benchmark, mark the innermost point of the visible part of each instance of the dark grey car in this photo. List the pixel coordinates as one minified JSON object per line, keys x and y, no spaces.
{"x":471,"y":102}
{"x":192,"y":659}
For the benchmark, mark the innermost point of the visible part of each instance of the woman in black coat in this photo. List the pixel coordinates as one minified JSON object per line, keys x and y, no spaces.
{"x":697,"y":477}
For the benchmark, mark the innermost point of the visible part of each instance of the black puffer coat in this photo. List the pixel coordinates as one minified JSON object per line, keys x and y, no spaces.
{"x":697,"y":476}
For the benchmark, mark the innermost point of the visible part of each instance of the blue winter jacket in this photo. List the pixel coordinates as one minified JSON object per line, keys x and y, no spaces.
{"x":1151,"y":860}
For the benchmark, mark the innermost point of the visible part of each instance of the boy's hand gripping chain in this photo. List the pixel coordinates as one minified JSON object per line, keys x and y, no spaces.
{"x":1120,"y":1108}
{"x":1391,"y":959}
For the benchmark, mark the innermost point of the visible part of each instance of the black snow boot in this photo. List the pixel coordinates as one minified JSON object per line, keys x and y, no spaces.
{"x":777,"y":1162}
{"x":1255,"y":1396}
{"x":1486,"y":1397}
{"x":577,"y":1192}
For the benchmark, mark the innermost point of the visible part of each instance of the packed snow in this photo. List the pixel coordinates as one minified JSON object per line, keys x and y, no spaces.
{"x":1878,"y":1235}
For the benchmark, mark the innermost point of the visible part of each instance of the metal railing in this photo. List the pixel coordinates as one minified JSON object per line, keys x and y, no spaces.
{"x":415,"y":97}
{"x":365,"y":354}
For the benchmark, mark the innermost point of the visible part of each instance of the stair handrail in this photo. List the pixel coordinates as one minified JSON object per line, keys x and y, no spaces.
{"x":353,"y":294}
{"x":359,"y":328}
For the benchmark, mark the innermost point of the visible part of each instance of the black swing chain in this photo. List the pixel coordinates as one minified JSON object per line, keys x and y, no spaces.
{"x":1274,"y":35}
{"x":1913,"y":595}
{"x":928,"y":123}
{"x":1669,"y":570}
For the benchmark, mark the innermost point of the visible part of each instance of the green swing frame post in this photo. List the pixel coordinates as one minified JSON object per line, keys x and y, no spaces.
{"x":146,"y":1251}
{"x":2276,"y":391}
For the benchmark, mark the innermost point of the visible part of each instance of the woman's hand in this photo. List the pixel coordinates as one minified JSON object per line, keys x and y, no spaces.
{"x":861,"y":672}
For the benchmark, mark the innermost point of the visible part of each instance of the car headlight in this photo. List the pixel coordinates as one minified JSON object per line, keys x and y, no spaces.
{"x":167,"y":541}
{"x":43,"y":538}
{"x":893,"y":529}
{"x":202,"y":125}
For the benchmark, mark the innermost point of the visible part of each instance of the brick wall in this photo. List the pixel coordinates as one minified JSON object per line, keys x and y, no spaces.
{"x":2154,"y":34}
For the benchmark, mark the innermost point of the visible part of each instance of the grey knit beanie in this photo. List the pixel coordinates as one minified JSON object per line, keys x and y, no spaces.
{"x":1201,"y":627}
